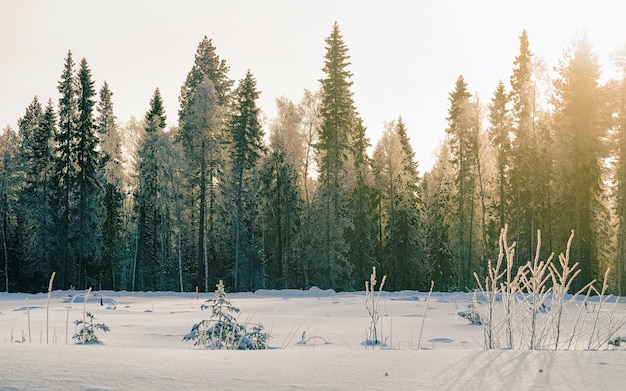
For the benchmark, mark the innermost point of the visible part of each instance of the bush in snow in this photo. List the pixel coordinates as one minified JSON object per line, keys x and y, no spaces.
{"x":222,"y":331}
{"x":87,"y":331}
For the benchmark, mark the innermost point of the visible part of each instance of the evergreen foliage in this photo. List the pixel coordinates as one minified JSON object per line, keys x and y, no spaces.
{"x":87,"y":184}
{"x":110,"y":164}
{"x":281,"y":201}
{"x":579,"y":186}
{"x":204,"y":104}
{"x":221,"y":330}
{"x":87,"y":331}
{"x":148,"y":245}
{"x":137,"y":206}
{"x":246,"y":148}
{"x":338,"y":119}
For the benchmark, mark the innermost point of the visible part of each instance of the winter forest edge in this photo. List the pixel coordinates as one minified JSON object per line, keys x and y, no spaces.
{"x":136,"y":206}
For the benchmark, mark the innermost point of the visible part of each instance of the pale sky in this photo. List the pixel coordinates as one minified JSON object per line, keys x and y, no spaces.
{"x":405,"y":55}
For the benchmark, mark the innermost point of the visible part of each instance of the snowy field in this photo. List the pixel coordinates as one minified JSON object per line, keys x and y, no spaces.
{"x":144,"y":349}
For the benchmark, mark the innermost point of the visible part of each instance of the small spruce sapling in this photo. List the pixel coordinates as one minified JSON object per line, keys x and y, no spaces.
{"x":87,"y":331}
{"x":222,"y":331}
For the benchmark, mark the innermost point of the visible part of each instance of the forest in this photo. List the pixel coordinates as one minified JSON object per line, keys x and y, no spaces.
{"x":305,"y":199}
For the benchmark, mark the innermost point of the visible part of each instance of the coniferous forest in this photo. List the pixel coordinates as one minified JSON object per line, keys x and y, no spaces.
{"x":307,"y":200}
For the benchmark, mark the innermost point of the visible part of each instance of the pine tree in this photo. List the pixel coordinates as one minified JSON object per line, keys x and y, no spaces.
{"x":246,"y":138}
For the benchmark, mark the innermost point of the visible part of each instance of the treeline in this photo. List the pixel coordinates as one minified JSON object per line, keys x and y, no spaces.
{"x":136,"y":206}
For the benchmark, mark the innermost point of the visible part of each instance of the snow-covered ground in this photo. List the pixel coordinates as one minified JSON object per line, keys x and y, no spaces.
{"x":144,"y":349}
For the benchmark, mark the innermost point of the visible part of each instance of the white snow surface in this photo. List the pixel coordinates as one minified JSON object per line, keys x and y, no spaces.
{"x":144,"y":349}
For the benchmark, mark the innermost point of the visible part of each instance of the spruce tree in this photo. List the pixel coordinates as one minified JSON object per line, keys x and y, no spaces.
{"x":87,"y":177}
{"x":401,"y":209}
{"x":246,"y":147}
{"x":9,"y":187}
{"x":36,"y":128}
{"x":281,"y":202}
{"x":499,"y":135}
{"x":64,"y":177}
{"x":524,"y":187}
{"x":462,"y":144}
{"x":580,"y":149}
{"x":362,"y":209}
{"x":438,"y":188}
{"x":112,"y":192}
{"x":148,"y":218}
{"x":203,"y":101}
{"x":616,"y":90}
{"x":32,"y":204}
{"x":338,"y":119}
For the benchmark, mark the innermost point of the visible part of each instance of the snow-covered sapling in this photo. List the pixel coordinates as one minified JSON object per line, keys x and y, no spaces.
{"x":222,"y":331}
{"x":87,"y":331}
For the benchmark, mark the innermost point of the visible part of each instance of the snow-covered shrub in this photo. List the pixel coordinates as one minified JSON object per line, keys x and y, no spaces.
{"x":221,"y":330}
{"x":372,"y":305}
{"x":87,"y":331}
{"x":471,"y":314}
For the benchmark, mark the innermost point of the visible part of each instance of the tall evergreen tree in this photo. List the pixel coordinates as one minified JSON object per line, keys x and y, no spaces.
{"x":523,"y":179}
{"x":9,"y":188}
{"x":580,"y":128}
{"x":362,"y":210}
{"x":616,"y":90}
{"x":87,"y":184}
{"x":148,"y":218}
{"x":201,"y":138}
{"x":36,"y":128}
{"x":398,"y":184}
{"x":462,"y":144}
{"x":281,"y":202}
{"x":32,"y":205}
{"x":203,"y":101}
{"x":65,"y":171}
{"x":499,"y":135}
{"x":246,"y":137}
{"x":438,"y":186}
{"x":113,"y":192}
{"x":338,"y":118}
